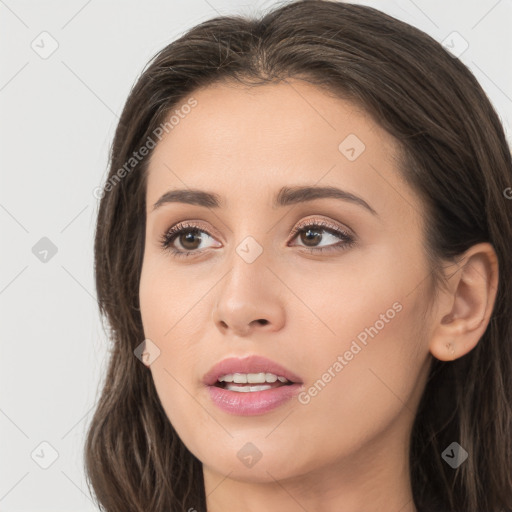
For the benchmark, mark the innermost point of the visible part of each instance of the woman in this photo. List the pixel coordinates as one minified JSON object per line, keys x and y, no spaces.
{"x":303,"y":252}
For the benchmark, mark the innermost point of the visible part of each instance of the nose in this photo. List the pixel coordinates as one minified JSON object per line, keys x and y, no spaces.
{"x":249,"y":300}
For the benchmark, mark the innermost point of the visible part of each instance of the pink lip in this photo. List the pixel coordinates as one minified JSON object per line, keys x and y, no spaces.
{"x":255,"y":402}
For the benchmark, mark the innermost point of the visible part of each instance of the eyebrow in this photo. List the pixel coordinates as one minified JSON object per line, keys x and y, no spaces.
{"x":285,"y":197}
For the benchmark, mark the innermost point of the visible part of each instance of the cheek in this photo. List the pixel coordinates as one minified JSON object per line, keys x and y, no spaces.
{"x":166,"y":313}
{"x":365,"y":366}
{"x":169,"y":311}
{"x":353,"y":399}
{"x":170,"y":300}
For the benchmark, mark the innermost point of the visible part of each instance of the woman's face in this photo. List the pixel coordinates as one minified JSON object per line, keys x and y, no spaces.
{"x":338,"y":305}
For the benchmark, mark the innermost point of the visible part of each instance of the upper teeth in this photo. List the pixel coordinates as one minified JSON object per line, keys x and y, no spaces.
{"x":251,"y":378}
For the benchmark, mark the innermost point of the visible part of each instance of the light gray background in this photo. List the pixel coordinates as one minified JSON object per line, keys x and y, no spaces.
{"x":58,"y":116}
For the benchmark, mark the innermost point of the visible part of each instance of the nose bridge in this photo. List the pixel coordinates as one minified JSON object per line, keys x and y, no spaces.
{"x":246,"y":280}
{"x":250,"y":248}
{"x":249,"y":294}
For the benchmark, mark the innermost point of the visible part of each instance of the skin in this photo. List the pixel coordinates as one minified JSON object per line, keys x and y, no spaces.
{"x":346,"y":450}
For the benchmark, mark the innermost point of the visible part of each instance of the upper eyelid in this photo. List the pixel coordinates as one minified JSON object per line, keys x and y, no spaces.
{"x":323,"y":224}
{"x":183,"y":225}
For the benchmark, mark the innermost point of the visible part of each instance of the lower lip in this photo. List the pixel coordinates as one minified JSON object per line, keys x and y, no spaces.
{"x":252,"y":402}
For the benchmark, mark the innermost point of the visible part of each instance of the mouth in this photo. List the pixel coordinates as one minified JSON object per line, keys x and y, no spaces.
{"x":251,"y":382}
{"x":250,"y":386}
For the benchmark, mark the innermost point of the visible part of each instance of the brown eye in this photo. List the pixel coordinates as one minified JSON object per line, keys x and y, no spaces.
{"x":184,"y":239}
{"x":312,"y":234}
{"x":190,"y":239}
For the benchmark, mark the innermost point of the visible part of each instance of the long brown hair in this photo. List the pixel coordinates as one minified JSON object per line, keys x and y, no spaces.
{"x":453,"y":152}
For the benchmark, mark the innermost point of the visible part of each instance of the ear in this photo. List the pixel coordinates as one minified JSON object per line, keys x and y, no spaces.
{"x":465,"y":309}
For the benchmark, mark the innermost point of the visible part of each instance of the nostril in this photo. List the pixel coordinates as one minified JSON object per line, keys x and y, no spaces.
{"x":262,"y":321}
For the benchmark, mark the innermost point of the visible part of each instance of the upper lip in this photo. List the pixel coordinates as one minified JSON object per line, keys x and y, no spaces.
{"x":250,"y":364}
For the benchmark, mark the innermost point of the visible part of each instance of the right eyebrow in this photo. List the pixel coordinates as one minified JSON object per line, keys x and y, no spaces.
{"x":189,"y":196}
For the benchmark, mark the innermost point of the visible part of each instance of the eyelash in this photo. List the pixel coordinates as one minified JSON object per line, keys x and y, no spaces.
{"x":169,"y":236}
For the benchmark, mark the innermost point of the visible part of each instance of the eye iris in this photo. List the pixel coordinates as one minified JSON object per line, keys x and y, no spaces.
{"x":311,"y":235}
{"x":188,"y":237}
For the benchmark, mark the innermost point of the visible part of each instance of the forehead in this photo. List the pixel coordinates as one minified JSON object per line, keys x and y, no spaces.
{"x":249,"y":141}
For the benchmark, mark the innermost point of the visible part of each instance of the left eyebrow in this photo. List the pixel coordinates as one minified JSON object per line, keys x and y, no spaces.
{"x":293,"y":195}
{"x":285,"y":197}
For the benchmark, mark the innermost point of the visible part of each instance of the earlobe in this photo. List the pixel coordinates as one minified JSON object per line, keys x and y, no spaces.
{"x":145,"y":358}
{"x":469,"y":304}
{"x":450,"y":349}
